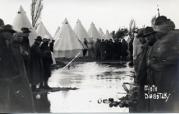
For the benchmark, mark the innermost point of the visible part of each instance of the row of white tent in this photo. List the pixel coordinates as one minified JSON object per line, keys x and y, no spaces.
{"x":92,"y":35}
{"x":68,"y":42}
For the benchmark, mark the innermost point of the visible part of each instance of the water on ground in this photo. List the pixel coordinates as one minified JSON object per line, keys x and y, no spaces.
{"x":95,"y":82}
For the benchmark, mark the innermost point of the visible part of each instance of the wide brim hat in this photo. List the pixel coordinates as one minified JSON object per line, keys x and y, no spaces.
{"x":8,"y":28}
{"x":45,"y":40}
{"x":26,"y":30}
{"x":148,"y":31}
{"x":39,"y":38}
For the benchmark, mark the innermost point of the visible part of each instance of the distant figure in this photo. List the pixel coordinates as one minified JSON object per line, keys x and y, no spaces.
{"x":124,"y":50}
{"x":85,"y":47}
{"x":47,"y":61}
{"x":15,"y":92}
{"x":52,"y":45}
{"x":91,"y":51}
{"x":36,"y":64}
{"x":97,"y":49}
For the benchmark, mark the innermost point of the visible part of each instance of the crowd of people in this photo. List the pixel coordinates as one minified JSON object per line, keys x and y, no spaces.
{"x":156,"y":64}
{"x":108,"y":49}
{"x":24,"y":68}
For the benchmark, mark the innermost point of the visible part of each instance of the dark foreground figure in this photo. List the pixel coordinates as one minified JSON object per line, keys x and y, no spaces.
{"x":15,"y":92}
{"x":158,"y":67}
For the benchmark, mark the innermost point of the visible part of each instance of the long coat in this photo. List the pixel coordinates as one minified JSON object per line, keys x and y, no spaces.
{"x":36,"y":65}
{"x":47,"y":60}
{"x":163,"y":71}
{"x":15,"y":92}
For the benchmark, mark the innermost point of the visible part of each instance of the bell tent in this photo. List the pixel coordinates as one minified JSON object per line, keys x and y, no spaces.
{"x":93,"y":32}
{"x":102,"y":35}
{"x":43,"y":32}
{"x":108,"y":36}
{"x":21,"y":21}
{"x":56,"y":33}
{"x":67,"y":45}
{"x":80,"y":31}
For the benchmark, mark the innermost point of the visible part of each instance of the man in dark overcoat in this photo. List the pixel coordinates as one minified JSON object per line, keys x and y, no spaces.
{"x":15,"y":92}
{"x":36,"y":64}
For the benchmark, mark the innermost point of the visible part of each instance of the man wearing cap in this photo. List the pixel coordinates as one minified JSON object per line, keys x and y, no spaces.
{"x":36,"y":64}
{"x":163,"y":66}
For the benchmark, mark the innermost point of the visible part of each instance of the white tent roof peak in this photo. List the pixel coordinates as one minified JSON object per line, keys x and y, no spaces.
{"x":65,"y":21}
{"x":80,"y":31}
{"x":21,"y":20}
{"x":92,"y":23}
{"x":21,"y":9}
{"x":108,"y":36}
{"x":78,"y":21}
{"x":42,"y":31}
{"x":107,"y":32}
{"x":93,"y":32}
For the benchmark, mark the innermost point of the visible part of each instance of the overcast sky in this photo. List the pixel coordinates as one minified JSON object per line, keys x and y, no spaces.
{"x":107,"y":14}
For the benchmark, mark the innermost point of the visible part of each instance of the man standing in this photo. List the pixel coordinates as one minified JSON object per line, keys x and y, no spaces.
{"x":147,"y":39}
{"x":36,"y":65}
{"x":47,"y":61}
{"x":16,"y":95}
{"x":26,"y":49}
{"x":163,"y":62}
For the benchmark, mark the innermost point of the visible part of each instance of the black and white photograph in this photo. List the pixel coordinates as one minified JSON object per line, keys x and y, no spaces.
{"x":89,"y":56}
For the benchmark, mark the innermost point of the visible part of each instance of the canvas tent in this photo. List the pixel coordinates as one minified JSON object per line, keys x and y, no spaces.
{"x":67,"y":45}
{"x":102,"y":35}
{"x":43,"y":32}
{"x":56,"y":33}
{"x":80,"y":31}
{"x":93,"y":32}
{"x":21,"y":20}
{"x":108,"y":36}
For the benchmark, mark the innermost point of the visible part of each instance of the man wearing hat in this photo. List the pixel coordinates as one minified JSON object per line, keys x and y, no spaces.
{"x":163,"y":64}
{"x":8,"y":32}
{"x":15,"y":93}
{"x":36,"y":64}
{"x":25,"y":40}
{"x":47,"y":61}
{"x":26,"y":48}
{"x":147,"y":38}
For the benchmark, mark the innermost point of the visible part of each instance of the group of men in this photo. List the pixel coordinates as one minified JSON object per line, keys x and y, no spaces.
{"x":23,"y":68}
{"x":156,"y":64}
{"x":109,"y":49}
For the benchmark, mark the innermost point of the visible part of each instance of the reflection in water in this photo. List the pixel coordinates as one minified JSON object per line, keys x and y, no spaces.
{"x":95,"y":81}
